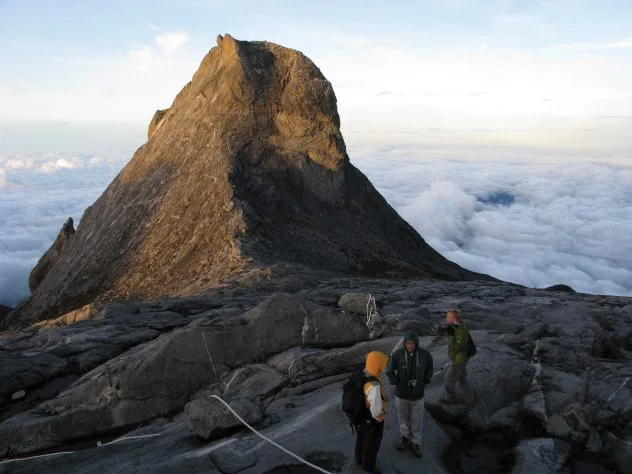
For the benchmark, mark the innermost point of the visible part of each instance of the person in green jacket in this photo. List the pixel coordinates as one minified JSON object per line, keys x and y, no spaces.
{"x":410,"y":369}
{"x":458,"y":339}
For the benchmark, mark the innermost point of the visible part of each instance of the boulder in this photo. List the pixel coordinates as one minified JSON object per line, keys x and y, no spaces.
{"x":303,"y":365}
{"x":253,"y":381}
{"x":358,"y":303}
{"x":211,"y":419}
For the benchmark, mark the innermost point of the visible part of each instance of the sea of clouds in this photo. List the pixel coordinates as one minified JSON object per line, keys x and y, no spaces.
{"x":523,"y":218}
{"x":38,"y":193}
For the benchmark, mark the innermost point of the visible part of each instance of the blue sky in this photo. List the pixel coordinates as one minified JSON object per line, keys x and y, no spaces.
{"x":543,"y":74}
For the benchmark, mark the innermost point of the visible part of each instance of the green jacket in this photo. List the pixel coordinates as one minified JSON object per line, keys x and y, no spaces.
{"x":410,"y":373}
{"x":457,"y":344}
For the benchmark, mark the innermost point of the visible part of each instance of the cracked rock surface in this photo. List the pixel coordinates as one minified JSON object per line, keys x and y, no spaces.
{"x":552,"y":379}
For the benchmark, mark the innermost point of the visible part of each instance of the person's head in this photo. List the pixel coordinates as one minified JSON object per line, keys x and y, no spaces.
{"x":411,"y":341}
{"x":453,"y":316}
{"x":376,"y":363}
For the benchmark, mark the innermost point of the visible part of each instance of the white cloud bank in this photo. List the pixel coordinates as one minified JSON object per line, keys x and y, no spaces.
{"x":537,"y":222}
{"x":38,"y":192}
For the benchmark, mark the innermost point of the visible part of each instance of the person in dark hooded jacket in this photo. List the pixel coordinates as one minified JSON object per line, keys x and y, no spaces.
{"x":410,"y":369}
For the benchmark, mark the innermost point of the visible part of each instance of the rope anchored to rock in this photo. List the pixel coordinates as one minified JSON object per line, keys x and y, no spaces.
{"x":235,"y":414}
{"x":285,"y":450}
{"x":245,"y":423}
{"x":372,"y":317}
{"x":99,"y":444}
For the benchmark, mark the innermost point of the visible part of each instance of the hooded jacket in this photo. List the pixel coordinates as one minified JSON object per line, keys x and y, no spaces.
{"x":410,"y":372}
{"x":374,"y":393}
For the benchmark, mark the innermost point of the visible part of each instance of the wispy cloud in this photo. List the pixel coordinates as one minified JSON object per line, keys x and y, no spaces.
{"x":60,"y":164}
{"x":169,"y":42}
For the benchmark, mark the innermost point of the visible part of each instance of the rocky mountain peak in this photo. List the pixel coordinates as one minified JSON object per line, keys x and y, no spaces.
{"x":248,"y":167}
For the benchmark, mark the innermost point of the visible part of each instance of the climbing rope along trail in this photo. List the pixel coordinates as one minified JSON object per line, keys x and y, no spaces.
{"x":100,"y":444}
{"x":295,"y":456}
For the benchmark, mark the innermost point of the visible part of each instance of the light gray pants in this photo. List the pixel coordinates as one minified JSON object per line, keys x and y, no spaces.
{"x":457,"y":373}
{"x":411,"y":418}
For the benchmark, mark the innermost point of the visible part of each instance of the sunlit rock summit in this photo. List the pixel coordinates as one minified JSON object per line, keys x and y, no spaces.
{"x":246,"y":169}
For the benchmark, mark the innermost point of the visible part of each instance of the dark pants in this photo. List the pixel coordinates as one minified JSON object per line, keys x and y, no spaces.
{"x":457,"y":373}
{"x":368,"y":444}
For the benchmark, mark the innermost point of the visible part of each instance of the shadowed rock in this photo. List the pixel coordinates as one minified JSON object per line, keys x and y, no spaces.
{"x":564,"y":288}
{"x":4,"y":311}
{"x":49,"y":259}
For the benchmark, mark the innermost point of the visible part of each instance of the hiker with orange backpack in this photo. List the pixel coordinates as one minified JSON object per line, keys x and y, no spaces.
{"x":365,"y":403}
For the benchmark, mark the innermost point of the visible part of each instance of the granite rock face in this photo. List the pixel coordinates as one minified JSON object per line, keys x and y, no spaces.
{"x":246,"y":169}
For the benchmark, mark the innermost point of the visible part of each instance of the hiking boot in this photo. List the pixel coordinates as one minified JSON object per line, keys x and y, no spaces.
{"x":416,"y":449}
{"x":401,"y":444}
